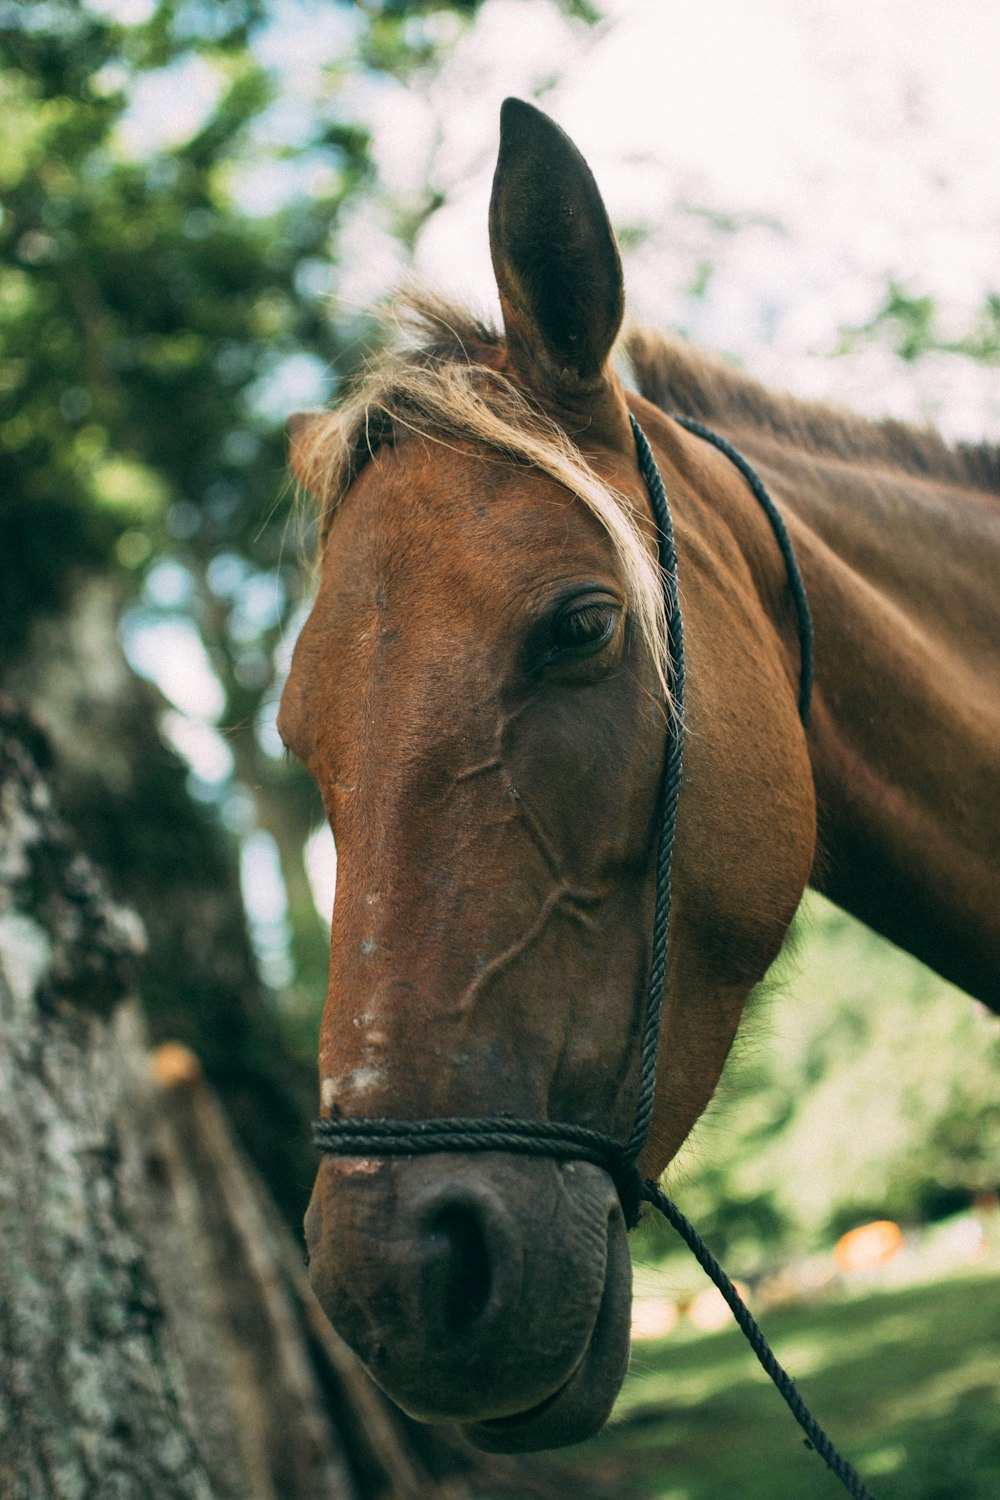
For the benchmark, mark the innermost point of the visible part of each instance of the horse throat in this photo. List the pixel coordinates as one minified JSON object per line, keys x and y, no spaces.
{"x":903,"y":574}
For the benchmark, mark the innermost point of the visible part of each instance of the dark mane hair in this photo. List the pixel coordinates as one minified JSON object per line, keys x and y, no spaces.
{"x":677,"y":377}
{"x":431,"y":333}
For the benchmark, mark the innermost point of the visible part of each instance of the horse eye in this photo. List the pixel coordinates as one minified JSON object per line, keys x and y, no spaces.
{"x":586,"y":628}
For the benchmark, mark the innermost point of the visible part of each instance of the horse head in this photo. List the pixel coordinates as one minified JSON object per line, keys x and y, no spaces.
{"x":479,"y":695}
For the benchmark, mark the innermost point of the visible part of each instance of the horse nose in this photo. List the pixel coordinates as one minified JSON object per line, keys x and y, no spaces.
{"x":470,"y":1286}
{"x":469,"y":1254}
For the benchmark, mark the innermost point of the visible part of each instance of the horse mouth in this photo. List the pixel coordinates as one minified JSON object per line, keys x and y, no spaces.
{"x":474,"y":1309}
{"x":520,"y":1419}
{"x":581,"y":1405}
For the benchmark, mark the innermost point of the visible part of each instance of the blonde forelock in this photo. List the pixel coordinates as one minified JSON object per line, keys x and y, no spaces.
{"x":440,"y":390}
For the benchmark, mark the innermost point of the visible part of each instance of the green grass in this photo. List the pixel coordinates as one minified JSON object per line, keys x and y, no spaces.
{"x":906,"y":1383}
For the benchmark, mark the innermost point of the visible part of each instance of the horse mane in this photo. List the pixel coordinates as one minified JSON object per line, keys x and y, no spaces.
{"x":439,"y":381}
{"x":426,"y":341}
{"x":678,"y":377}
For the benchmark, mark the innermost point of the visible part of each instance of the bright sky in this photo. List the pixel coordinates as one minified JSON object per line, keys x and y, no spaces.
{"x":807,"y":151}
{"x":851,"y":140}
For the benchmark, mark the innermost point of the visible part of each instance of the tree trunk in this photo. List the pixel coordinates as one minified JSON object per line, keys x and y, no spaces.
{"x":90,"y":1401}
{"x":158,"y":1336}
{"x":124,"y":794}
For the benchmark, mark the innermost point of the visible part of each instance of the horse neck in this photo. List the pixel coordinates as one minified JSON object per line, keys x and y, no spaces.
{"x":903,"y":577}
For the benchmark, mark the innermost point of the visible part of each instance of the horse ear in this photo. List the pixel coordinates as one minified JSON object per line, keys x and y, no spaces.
{"x":557,"y":265}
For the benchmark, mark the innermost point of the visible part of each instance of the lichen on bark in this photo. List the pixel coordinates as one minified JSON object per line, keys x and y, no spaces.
{"x":89,"y":1398}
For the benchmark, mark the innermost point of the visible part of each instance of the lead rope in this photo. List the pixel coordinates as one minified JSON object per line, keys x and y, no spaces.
{"x":796,"y":587}
{"x":340,"y":1136}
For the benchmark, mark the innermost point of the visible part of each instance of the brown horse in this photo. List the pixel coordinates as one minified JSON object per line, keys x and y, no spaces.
{"x":479,"y":694}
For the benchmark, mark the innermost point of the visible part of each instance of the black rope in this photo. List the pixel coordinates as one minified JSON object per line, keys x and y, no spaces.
{"x":339,"y":1136}
{"x":422,"y":1137}
{"x":796,"y":587}
{"x":669,"y":793}
{"x":848,"y":1476}
{"x":380,"y":1137}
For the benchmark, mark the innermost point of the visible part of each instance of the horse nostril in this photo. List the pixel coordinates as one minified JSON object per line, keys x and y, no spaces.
{"x":458,"y":1271}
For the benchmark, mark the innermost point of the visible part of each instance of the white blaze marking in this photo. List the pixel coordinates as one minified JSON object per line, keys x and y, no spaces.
{"x":360,"y":1080}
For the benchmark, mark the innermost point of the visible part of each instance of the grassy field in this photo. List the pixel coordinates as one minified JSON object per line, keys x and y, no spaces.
{"x":906,"y":1382}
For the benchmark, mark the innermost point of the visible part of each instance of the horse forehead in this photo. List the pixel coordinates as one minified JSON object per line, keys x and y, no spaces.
{"x":436,"y":554}
{"x":429,"y":525}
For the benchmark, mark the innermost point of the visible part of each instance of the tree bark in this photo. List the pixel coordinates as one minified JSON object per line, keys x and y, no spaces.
{"x":90,"y":1402}
{"x":125,"y":795}
{"x":158,"y":1336}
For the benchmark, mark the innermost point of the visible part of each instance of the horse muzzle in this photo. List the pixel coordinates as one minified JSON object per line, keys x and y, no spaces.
{"x":491,"y":1291}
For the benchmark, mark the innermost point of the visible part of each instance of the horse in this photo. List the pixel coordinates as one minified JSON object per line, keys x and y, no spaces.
{"x":483,"y":694}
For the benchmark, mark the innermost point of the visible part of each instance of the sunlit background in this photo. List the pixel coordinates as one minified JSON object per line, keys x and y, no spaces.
{"x":813,"y":189}
{"x":203,"y":205}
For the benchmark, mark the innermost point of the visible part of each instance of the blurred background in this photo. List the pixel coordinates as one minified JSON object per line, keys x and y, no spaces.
{"x":203,"y":202}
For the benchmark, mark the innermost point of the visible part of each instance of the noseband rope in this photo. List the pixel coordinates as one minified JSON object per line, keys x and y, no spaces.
{"x":339,"y":1136}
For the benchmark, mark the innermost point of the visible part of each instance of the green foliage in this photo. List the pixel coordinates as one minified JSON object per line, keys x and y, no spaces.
{"x":151,"y":327}
{"x":862,"y":1087}
{"x":140,"y":311}
{"x":910,"y":325}
{"x":403,"y":36}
